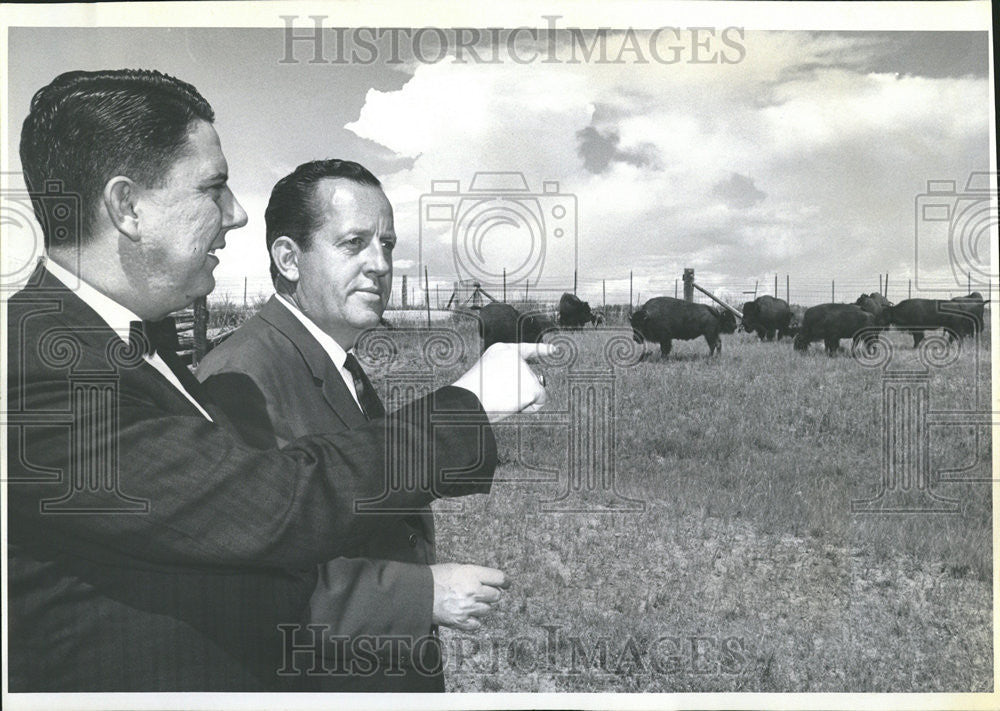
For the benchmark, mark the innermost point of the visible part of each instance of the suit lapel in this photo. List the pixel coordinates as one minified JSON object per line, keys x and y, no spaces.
{"x":331,"y":384}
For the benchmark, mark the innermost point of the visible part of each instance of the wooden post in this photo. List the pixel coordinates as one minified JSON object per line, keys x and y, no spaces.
{"x":787,"y":298}
{"x":886,"y":292}
{"x":505,"y":285}
{"x":776,"y":286}
{"x":200,"y":330}
{"x":404,"y":293}
{"x":833,"y":291}
{"x":675,"y":288}
{"x":574,"y":282}
{"x":969,"y":276}
{"x":604,"y":292}
{"x":244,"y":292}
{"x":688,"y":278}
{"x":427,"y":296}
{"x":630,"y":291}
{"x":909,"y":288}
{"x":880,"y":283}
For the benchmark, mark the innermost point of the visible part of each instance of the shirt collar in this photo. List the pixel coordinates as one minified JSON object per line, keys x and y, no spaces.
{"x":333,"y":349}
{"x":118,"y":317}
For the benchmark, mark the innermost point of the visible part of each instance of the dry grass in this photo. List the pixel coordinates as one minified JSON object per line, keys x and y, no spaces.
{"x":747,"y":570}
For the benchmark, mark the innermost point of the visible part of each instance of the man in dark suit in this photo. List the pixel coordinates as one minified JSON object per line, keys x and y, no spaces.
{"x":330,"y":237}
{"x":149,"y":546}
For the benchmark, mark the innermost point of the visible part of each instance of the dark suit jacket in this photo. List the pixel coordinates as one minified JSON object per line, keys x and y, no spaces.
{"x":385,"y":588}
{"x":150,"y":549}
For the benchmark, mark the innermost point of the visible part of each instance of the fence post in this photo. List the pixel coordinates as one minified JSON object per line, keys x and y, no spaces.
{"x":833,"y":291}
{"x":776,"y":286}
{"x":244,"y":292}
{"x":630,"y":290}
{"x":787,"y":297}
{"x":886,"y":292}
{"x":404,"y":293}
{"x":200,"y":330}
{"x":909,"y":288}
{"x":675,"y":288}
{"x":574,"y":282}
{"x":427,"y":296}
{"x":880,"y":283}
{"x":604,"y":292}
{"x":688,"y":284}
{"x":505,"y":285}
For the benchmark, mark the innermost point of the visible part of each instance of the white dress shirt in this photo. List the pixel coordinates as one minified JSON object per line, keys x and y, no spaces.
{"x":119,"y":319}
{"x":333,"y":349}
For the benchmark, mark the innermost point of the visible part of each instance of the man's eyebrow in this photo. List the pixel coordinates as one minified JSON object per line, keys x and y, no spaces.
{"x":220,"y":177}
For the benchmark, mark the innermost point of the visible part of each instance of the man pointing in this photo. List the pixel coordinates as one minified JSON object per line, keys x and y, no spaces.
{"x":150,"y":548}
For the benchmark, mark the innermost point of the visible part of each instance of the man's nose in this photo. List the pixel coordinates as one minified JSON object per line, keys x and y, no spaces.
{"x":236,"y":216}
{"x":379,"y":260}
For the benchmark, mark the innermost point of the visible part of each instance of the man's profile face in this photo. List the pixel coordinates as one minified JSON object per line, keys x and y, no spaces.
{"x":345,"y":276}
{"x":183,"y":221}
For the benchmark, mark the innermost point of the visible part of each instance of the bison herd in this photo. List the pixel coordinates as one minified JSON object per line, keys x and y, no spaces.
{"x":662,"y":320}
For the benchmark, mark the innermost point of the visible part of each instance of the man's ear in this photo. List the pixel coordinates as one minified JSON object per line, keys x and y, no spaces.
{"x":119,"y":198}
{"x":285,"y":253}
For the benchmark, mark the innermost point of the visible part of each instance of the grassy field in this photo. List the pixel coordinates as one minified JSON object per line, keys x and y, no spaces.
{"x":746,"y":570}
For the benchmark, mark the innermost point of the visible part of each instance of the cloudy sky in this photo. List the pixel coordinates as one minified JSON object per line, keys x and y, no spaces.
{"x":759,"y":153}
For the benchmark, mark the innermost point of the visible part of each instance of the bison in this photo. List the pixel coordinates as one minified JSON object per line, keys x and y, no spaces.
{"x":877,"y":305}
{"x":767,"y":316}
{"x":831,"y":322}
{"x":961,"y":316}
{"x":662,"y":319}
{"x":574,"y":313}
{"x":795,"y":322}
{"x":502,"y":323}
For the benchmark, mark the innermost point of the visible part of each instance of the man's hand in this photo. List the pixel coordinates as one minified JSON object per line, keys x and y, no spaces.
{"x":464,"y":593}
{"x":503,"y":382}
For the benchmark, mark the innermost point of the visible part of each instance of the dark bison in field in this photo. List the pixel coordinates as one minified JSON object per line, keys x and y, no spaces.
{"x":574,"y":313}
{"x":767,"y":316}
{"x":877,"y":305}
{"x":795,"y":322}
{"x":960,"y":317}
{"x":502,"y":323}
{"x":662,"y":319}
{"x":832,"y":322}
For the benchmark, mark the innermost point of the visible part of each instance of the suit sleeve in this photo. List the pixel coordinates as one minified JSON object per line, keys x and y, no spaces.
{"x":212,"y":498}
{"x":364,"y":596}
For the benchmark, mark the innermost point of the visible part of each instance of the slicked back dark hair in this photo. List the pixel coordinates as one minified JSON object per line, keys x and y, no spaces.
{"x":291,"y":211}
{"x":85,"y":128}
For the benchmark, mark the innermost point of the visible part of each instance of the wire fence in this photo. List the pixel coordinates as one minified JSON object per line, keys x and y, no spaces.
{"x":413,"y":292}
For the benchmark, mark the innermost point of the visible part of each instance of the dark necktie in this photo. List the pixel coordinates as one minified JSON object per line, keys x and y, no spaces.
{"x":370,"y":403}
{"x":160,"y":338}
